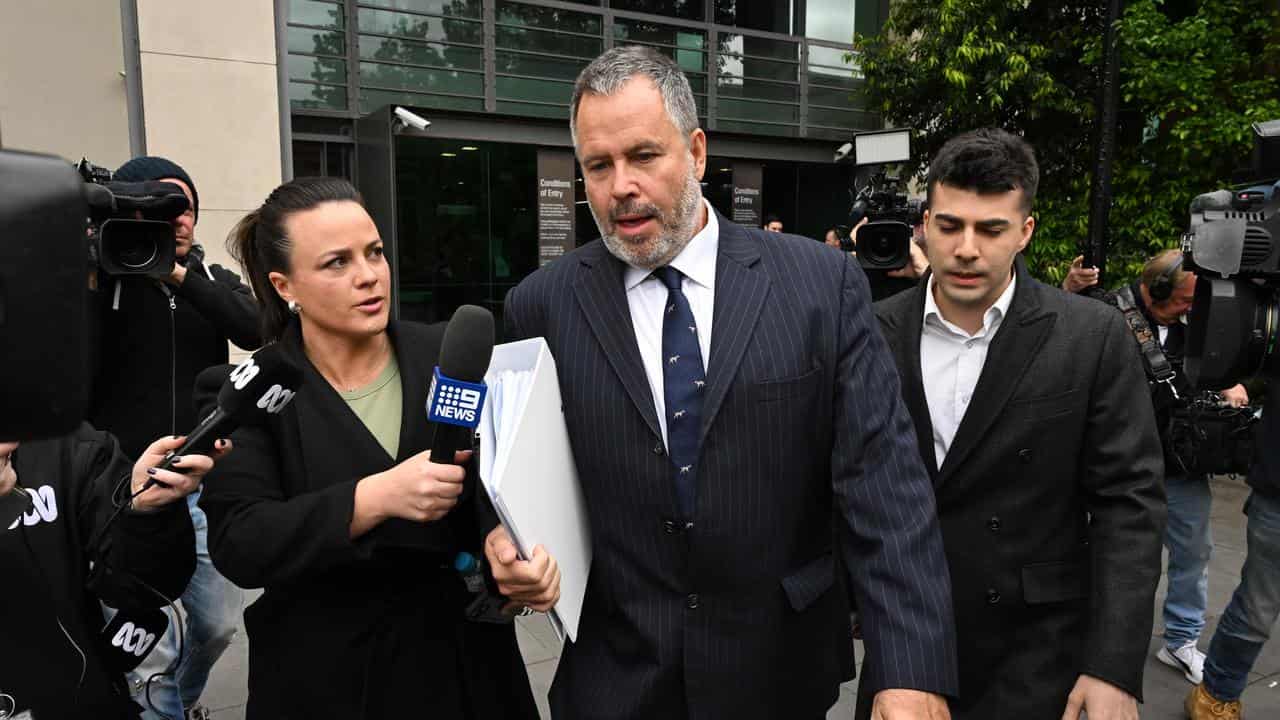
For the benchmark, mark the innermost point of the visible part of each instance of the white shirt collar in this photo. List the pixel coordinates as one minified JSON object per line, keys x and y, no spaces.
{"x":994,"y":315}
{"x":697,"y":261}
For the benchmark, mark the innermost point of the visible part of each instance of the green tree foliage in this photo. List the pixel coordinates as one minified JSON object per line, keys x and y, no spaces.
{"x":1194,"y":75}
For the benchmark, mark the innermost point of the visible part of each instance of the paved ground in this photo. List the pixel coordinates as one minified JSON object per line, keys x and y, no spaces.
{"x":1164,"y":688}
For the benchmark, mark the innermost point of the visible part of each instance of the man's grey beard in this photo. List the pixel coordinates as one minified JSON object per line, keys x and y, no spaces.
{"x":675,"y":233}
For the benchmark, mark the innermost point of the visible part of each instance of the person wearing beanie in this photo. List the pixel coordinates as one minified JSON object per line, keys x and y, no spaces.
{"x":153,"y":338}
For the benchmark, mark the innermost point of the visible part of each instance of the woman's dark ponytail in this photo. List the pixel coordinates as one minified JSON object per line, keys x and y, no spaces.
{"x":259,"y":244}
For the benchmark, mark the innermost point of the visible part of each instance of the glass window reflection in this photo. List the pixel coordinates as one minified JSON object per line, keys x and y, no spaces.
{"x":455,"y":8}
{"x":317,"y":14}
{"x":548,"y":42}
{"x":412,"y":52}
{"x":318,"y":97}
{"x":771,"y":15}
{"x":515,"y":63}
{"x":759,"y":47}
{"x":323,"y":70}
{"x":420,"y":27}
{"x":830,"y":19}
{"x":402,"y":77}
{"x":316,"y":42}
{"x":547,"y":18}
{"x":684,"y":9}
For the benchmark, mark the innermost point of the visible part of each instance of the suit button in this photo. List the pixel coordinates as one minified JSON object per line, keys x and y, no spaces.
{"x":993,"y":596}
{"x":669,"y":527}
{"x":658,"y":449}
{"x":994,"y":524}
{"x":691,"y":601}
{"x":1025,"y":455}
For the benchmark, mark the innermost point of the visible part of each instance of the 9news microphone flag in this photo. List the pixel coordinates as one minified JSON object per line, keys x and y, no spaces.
{"x":457,"y":386}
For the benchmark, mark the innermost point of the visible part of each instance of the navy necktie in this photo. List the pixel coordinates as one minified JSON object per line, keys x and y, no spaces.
{"x":684,"y":381}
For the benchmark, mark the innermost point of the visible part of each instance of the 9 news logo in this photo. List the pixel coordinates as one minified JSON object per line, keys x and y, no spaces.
{"x":454,"y":402}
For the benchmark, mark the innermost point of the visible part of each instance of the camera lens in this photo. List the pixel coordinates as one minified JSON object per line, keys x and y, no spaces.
{"x":884,"y":245}
{"x":136,"y":247}
{"x":134,"y":252}
{"x":880,"y":248}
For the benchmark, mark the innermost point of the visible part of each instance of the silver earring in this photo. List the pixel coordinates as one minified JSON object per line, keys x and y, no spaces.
{"x":294,"y":307}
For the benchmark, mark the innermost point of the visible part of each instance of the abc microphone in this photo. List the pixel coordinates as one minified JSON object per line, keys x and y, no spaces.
{"x":457,"y":387}
{"x":257,"y":388}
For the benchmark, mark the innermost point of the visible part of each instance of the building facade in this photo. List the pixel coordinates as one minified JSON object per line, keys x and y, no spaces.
{"x":245,"y":93}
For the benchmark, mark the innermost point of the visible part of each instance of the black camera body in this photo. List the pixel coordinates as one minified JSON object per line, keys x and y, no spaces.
{"x":56,"y":231}
{"x":1233,"y":246}
{"x":884,"y":243}
{"x":130,"y":228}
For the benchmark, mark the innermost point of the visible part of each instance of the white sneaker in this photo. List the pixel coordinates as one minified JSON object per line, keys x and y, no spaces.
{"x":1187,"y":658}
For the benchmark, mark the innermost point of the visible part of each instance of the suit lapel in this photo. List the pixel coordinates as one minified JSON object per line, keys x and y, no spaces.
{"x":740,"y":291}
{"x":1012,"y":350}
{"x":603,"y":299}
{"x":906,"y":346}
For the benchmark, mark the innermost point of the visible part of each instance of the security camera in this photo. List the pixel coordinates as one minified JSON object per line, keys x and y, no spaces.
{"x":412,"y":120}
{"x":843,"y":151}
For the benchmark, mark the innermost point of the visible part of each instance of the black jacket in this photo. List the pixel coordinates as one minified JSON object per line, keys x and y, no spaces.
{"x":154,"y":339}
{"x":1051,"y":501}
{"x":1264,"y":476}
{"x":44,"y":563}
{"x":370,"y":628}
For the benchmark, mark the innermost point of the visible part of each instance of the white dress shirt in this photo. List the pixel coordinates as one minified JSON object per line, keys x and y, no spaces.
{"x":951,"y":361}
{"x":647,"y":299}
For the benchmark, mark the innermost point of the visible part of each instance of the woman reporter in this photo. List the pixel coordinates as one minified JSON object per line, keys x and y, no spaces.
{"x":334,"y":506}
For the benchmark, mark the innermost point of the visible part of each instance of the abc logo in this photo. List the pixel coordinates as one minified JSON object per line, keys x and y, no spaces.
{"x":44,"y":507}
{"x":133,"y":640}
{"x":274,"y":399}
{"x":244,"y":373}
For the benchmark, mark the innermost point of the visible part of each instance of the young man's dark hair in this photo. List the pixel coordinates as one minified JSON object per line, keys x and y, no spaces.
{"x":989,"y":160}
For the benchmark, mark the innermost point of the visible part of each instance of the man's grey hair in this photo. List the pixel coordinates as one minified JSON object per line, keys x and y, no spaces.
{"x":608,"y":73}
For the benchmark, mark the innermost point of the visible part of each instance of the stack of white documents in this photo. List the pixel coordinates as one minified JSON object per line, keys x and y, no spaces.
{"x":527,"y":468}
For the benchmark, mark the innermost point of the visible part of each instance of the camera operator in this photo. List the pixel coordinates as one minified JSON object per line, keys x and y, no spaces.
{"x":83,"y":540}
{"x":156,"y":337}
{"x":1162,"y":296}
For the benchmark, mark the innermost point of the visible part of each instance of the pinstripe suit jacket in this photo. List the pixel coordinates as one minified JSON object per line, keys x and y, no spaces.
{"x":733,"y":614}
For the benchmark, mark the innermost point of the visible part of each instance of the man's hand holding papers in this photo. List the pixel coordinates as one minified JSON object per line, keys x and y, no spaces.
{"x":533,"y":583}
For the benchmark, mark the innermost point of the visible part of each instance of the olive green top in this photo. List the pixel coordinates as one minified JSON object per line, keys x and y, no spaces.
{"x":379,"y":406}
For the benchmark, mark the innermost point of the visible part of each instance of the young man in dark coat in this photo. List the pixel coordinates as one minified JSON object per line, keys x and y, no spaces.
{"x":1032,"y":416}
{"x":52,"y":665}
{"x":155,"y":338}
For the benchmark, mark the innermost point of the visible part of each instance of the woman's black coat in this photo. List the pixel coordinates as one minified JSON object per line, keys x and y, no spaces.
{"x":365,"y":628}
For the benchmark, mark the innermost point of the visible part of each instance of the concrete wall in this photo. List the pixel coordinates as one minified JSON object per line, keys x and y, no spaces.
{"x":62,"y":88}
{"x":211,"y":103}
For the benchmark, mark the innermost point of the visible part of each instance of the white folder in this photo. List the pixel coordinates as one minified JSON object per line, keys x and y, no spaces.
{"x":527,"y":467}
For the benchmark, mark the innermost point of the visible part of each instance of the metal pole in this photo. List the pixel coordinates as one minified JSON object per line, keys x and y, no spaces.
{"x":133,"y":77}
{"x":1095,"y":251}
{"x":282,"y":90}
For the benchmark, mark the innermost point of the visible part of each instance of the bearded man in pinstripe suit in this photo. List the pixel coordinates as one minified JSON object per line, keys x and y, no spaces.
{"x":721,"y":409}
